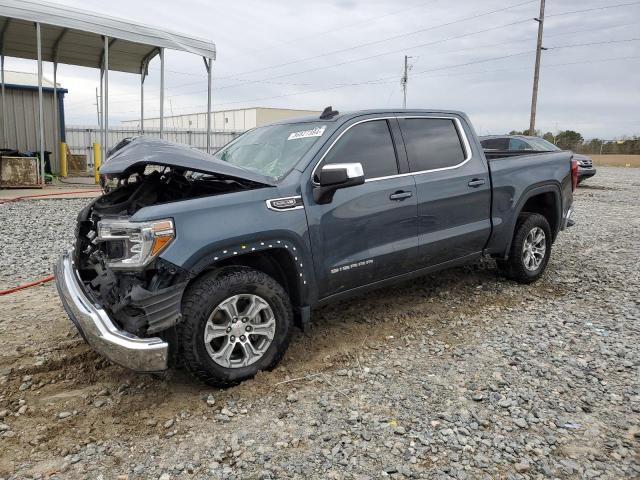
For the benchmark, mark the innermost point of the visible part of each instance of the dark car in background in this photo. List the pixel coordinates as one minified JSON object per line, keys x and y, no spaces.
{"x":521,"y":144}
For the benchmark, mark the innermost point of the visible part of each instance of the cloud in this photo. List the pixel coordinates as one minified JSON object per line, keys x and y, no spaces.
{"x":308,"y":55}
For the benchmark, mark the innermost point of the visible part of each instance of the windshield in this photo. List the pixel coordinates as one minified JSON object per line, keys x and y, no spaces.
{"x":540,"y":144}
{"x":272,"y":150}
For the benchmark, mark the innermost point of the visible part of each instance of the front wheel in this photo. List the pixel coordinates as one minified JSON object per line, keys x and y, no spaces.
{"x":530,"y":249}
{"x":234,"y":325}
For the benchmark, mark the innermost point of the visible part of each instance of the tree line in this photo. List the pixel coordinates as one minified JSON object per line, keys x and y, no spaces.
{"x":572,"y":140}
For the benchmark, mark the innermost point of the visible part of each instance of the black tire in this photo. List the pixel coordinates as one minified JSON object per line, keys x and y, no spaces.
{"x":514,"y":267}
{"x":202,"y":298}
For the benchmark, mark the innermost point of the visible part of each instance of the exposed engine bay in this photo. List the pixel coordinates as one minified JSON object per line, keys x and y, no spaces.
{"x":142,"y":293}
{"x":126,"y":194}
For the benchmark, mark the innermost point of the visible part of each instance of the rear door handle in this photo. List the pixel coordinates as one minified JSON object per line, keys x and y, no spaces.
{"x":400,"y":195}
{"x":476,"y":182}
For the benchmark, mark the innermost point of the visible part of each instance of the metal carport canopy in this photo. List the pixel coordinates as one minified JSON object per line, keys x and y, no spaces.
{"x":73,"y":36}
{"x":77,"y":35}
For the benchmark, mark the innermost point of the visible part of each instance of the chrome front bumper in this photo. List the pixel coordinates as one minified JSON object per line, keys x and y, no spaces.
{"x":94,"y":324}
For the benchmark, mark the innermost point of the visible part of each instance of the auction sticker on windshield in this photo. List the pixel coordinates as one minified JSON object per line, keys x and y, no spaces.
{"x":314,"y":132}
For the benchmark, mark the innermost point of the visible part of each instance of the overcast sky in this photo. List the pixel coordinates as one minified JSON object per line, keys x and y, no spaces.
{"x":594,"y":89}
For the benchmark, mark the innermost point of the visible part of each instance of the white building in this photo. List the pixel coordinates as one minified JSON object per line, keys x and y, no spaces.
{"x":227,"y":120}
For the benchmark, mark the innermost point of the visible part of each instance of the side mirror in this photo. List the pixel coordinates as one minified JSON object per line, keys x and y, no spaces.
{"x":334,"y":176}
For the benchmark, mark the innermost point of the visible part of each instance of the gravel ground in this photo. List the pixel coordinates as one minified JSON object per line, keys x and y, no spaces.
{"x":461,"y":375}
{"x":32,"y":234}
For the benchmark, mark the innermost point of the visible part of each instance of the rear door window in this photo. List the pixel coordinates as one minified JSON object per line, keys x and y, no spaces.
{"x":431,"y":143}
{"x":367,"y":143}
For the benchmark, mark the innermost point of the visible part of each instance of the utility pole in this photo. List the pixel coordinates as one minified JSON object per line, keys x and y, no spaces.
{"x":536,"y":74}
{"x":405,"y":80}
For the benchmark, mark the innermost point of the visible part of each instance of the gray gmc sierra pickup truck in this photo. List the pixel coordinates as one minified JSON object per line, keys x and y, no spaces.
{"x":209,"y":261}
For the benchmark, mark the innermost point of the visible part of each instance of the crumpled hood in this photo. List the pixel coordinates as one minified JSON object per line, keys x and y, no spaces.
{"x":141,"y":151}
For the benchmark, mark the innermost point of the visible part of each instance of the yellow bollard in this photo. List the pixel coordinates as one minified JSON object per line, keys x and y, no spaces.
{"x":63,"y":159}
{"x":96,"y":162}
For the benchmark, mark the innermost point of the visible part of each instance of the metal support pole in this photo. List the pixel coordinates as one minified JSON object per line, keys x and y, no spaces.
{"x":40,"y":108}
{"x":106,"y":96}
{"x":101,"y":109}
{"x":56,"y":123}
{"x":208,"y":63}
{"x":536,"y":73}
{"x":161,"y":92}
{"x":5,"y":140}
{"x":142,"y":102}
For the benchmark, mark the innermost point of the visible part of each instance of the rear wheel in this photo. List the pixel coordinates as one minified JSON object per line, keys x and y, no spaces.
{"x":234,"y":325}
{"x":530,"y":249}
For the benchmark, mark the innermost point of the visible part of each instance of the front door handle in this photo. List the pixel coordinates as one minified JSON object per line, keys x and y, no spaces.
{"x":476,"y":182}
{"x":400,"y":195}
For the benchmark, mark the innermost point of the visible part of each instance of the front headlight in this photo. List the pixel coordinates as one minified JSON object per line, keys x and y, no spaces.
{"x":133,"y":245}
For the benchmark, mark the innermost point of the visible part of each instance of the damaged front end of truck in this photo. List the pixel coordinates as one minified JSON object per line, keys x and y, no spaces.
{"x":114,"y":278}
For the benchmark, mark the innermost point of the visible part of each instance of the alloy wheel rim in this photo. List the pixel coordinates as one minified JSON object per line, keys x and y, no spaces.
{"x":239,"y":331}
{"x":534,"y":249}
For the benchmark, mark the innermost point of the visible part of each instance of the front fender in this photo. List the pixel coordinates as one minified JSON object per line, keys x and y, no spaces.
{"x":237,"y":247}
{"x":213,"y":229}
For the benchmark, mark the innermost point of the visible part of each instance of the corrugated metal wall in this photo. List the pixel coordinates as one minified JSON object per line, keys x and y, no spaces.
{"x":80,"y":140}
{"x":22,"y":120}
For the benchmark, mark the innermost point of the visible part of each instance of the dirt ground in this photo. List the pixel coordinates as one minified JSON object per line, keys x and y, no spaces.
{"x":49,"y":364}
{"x":616,"y":160}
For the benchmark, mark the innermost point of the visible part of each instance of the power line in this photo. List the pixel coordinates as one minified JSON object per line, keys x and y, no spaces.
{"x":379,"y":81}
{"x":546,"y":65}
{"x":449,"y":74}
{"x":395,"y":37}
{"x":593,"y":9}
{"x":344,"y":27}
{"x":390,"y":79}
{"x":594,"y":43}
{"x":413,"y":47}
{"x":386,"y":53}
{"x":383,"y":40}
{"x":562,"y":33}
{"x":390,"y":52}
{"x":268,"y":79}
{"x":314,"y":69}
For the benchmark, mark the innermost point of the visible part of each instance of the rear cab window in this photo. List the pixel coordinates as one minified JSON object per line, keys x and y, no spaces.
{"x":431,"y":143}
{"x":518,"y":144}
{"x":368,"y":143}
{"x":495,"y":144}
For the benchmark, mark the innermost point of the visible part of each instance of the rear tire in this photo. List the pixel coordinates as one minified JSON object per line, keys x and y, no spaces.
{"x":220,"y":340}
{"x":530,"y":249}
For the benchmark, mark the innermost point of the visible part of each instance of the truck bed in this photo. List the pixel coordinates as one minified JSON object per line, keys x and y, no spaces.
{"x":513,"y":177}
